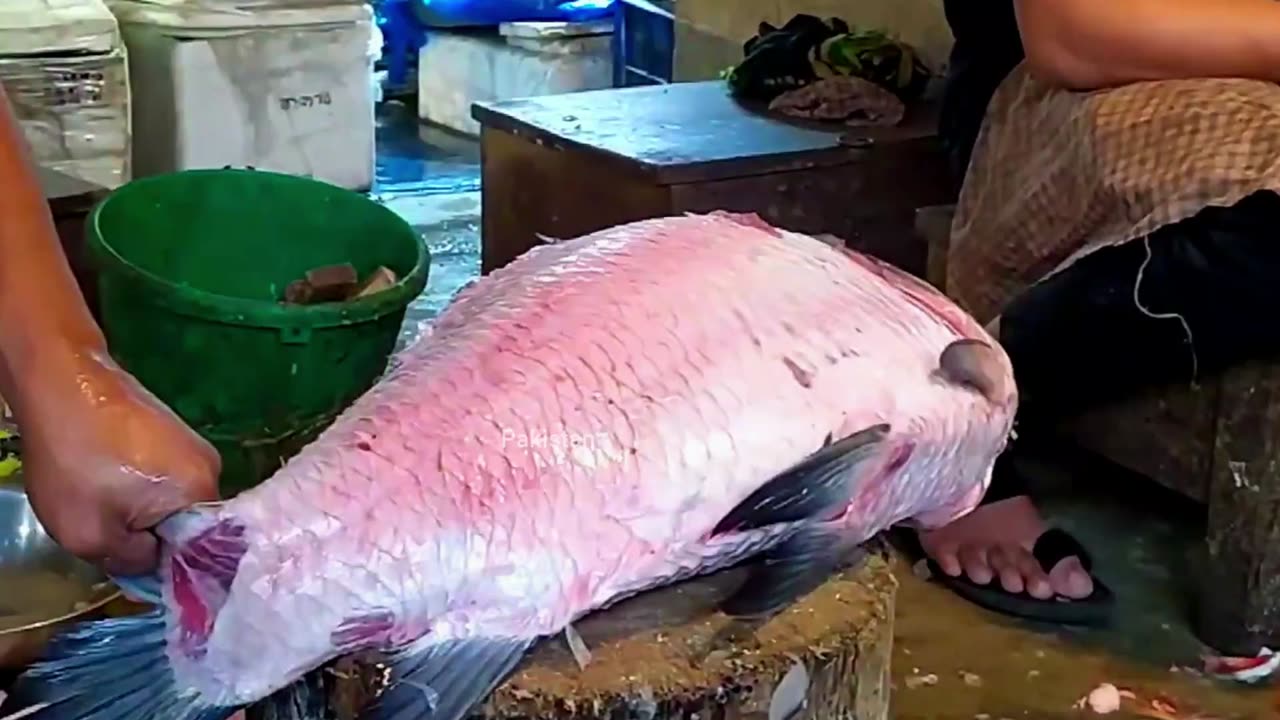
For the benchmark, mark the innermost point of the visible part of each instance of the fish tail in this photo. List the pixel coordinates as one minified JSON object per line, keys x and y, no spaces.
{"x":114,"y":669}
{"x":119,"y":668}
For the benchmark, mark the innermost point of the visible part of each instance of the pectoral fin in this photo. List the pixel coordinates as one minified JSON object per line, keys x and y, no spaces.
{"x":792,"y":570}
{"x":812,"y":490}
{"x":819,"y":484}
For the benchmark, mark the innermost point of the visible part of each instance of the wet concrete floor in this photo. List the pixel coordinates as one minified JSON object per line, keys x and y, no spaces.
{"x":1145,"y":544}
{"x":951,"y":659}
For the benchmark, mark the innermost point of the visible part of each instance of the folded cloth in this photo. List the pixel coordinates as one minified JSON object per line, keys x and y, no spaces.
{"x":851,"y":100}
{"x":807,"y":49}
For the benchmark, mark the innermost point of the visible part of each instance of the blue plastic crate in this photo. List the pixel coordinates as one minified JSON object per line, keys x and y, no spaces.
{"x":643,"y":42}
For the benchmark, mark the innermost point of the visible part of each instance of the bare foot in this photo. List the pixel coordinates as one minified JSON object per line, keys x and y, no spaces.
{"x":995,"y":540}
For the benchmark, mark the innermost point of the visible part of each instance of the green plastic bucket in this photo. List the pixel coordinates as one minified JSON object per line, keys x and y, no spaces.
{"x":191,"y":270}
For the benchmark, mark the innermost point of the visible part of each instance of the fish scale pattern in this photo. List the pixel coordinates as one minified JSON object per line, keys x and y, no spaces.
{"x":574,"y":427}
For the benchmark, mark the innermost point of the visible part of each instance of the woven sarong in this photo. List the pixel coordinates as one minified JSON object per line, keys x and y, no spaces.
{"x":1057,"y":174}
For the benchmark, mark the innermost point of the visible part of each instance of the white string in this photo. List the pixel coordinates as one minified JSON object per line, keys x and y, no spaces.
{"x":1195,"y":361}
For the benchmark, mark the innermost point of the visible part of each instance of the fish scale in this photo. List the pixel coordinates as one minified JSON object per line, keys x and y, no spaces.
{"x":604,"y":415}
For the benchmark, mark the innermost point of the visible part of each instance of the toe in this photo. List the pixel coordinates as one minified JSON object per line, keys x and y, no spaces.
{"x":976,"y":566}
{"x":947,"y":558}
{"x":1004,"y":562}
{"x":1033,"y":576}
{"x":1069,"y":579}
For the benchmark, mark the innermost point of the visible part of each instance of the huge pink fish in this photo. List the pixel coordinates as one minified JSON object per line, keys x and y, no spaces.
{"x":604,"y":416}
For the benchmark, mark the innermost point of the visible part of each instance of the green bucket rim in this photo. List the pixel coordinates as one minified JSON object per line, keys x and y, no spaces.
{"x":258,"y":313}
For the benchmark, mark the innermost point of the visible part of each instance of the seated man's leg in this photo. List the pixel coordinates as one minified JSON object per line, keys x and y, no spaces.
{"x":1081,"y":336}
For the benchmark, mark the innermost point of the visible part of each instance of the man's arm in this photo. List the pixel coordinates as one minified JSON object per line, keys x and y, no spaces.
{"x":104,"y":461}
{"x":1090,"y":44}
{"x":44,"y":322}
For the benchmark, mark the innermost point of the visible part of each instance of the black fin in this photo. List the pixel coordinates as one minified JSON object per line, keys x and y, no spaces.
{"x":307,"y":699}
{"x":819,"y":483}
{"x":113,"y":669}
{"x":445,"y":681}
{"x":791,"y":570}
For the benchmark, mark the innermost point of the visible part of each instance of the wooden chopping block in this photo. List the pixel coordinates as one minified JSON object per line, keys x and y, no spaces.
{"x":669,"y":655}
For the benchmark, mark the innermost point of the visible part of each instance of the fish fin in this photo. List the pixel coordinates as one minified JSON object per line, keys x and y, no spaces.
{"x":818,"y":484}
{"x":305,"y":699}
{"x":796,"y":567}
{"x":114,"y":669}
{"x":446,"y":680}
{"x":140,"y":589}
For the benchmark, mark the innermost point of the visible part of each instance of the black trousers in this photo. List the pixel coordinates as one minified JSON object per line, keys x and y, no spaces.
{"x":1080,"y":337}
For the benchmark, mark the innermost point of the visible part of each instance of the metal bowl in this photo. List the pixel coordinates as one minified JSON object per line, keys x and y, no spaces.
{"x":43,"y":588}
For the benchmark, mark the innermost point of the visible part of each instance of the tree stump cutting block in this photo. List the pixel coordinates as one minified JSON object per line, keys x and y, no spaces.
{"x":668,"y":655}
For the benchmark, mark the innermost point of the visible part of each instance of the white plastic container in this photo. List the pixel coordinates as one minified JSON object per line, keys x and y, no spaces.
{"x":247,"y":83}
{"x":63,"y":67}
{"x":47,"y":27}
{"x":525,"y":59}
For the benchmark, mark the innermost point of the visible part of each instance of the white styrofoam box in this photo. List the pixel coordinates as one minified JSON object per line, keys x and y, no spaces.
{"x":217,"y":84}
{"x":74,"y":112}
{"x":457,"y":69}
{"x":36,"y":27}
{"x":195,"y":18}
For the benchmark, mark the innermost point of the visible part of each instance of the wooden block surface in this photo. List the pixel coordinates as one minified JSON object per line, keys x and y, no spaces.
{"x":668,"y":654}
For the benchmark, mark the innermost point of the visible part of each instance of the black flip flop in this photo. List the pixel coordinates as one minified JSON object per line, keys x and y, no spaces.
{"x":1051,"y":548}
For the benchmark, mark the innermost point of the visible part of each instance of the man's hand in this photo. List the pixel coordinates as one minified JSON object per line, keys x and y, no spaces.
{"x":105,"y":462}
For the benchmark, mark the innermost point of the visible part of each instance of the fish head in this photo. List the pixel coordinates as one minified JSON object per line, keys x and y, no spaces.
{"x":978,"y":377}
{"x":973,"y":360}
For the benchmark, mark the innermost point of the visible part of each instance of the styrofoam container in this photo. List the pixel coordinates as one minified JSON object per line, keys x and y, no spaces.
{"x":288,"y":88}
{"x":74,"y":113}
{"x":63,"y":67}
{"x":45,"y":27}
{"x":456,"y":70}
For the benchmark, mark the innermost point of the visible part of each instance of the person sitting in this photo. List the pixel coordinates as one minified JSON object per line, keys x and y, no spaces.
{"x":1117,"y":171}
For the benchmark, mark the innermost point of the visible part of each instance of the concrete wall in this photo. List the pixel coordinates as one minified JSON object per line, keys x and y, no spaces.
{"x":710,"y":33}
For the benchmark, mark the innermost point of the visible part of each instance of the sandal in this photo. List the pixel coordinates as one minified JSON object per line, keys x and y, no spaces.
{"x":1052,"y":547}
